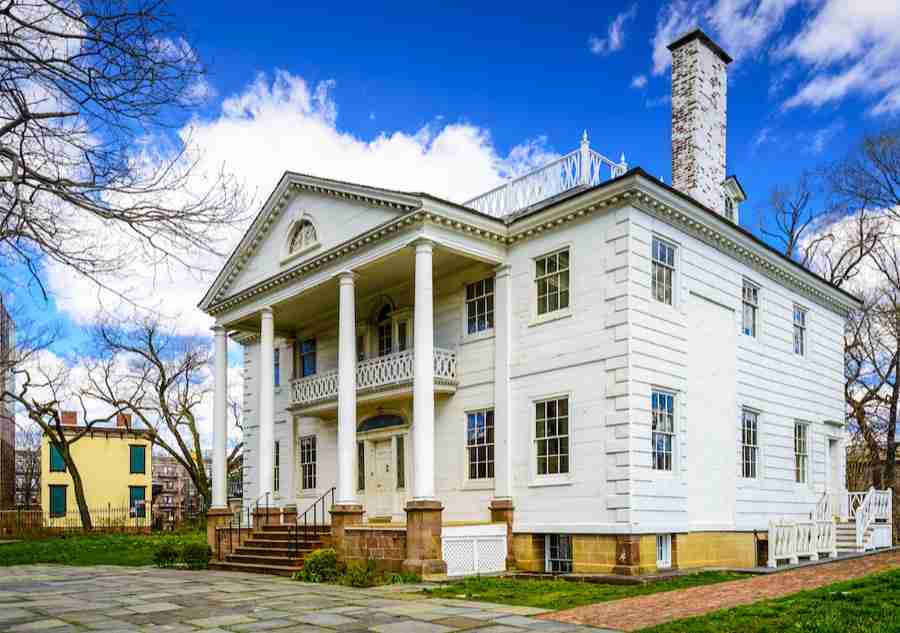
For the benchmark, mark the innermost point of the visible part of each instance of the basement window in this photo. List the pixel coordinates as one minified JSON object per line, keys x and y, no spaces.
{"x":663,"y":551}
{"x":558,"y":551}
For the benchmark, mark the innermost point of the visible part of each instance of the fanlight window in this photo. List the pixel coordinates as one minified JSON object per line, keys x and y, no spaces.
{"x":304,"y":237}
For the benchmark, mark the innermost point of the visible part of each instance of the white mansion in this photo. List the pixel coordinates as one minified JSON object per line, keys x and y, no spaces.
{"x":608,"y":368}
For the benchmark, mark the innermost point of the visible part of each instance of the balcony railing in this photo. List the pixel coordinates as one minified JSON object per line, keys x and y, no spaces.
{"x":374,"y":374}
{"x":584,"y":166}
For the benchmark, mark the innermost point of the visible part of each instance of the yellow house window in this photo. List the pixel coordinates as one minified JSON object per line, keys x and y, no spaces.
{"x":138,"y":459}
{"x":57,"y":463}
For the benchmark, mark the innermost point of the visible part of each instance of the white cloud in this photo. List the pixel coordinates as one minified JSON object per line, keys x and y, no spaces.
{"x":820,"y":139}
{"x":639,"y":81}
{"x":282,"y":123}
{"x":763,"y":136}
{"x":673,"y":20}
{"x":615,"y":34}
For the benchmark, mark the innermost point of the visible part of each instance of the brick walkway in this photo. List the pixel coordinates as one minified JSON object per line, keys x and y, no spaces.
{"x":631,"y":614}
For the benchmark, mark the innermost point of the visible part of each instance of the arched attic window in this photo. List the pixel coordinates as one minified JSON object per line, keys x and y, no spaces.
{"x":304,"y":237}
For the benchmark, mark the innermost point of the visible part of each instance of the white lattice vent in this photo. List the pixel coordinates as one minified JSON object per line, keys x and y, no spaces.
{"x":474,"y":549}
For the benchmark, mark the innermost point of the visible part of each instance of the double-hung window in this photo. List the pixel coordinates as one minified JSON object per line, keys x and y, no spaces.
{"x":401,"y":462}
{"x":558,"y":553}
{"x":307,"y":357}
{"x":308,"y":462}
{"x":750,"y":309}
{"x":480,"y":443}
{"x":799,"y":331}
{"x":663,"y":429}
{"x":276,"y":463}
{"x":662,"y":280}
{"x":276,"y":361}
{"x":801,"y":452}
{"x":749,"y":444}
{"x":360,"y":465}
{"x":480,"y":306}
{"x":551,"y":280}
{"x":552,"y":436}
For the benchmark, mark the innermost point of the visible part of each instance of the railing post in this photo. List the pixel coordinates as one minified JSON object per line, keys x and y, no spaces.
{"x":585,"y":159}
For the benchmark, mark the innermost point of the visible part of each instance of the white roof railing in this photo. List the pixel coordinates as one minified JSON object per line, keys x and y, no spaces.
{"x":584,"y":166}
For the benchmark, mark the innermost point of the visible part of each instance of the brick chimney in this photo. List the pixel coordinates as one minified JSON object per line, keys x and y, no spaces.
{"x":69,"y":418}
{"x":123,"y":420}
{"x":699,"y":85}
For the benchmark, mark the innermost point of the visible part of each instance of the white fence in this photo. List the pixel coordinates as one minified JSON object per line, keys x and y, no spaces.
{"x":792,"y":540}
{"x":469,"y":550}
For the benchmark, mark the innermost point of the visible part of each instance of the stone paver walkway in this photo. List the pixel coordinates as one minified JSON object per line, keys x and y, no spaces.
{"x":58,"y":599}
{"x":632,"y":614}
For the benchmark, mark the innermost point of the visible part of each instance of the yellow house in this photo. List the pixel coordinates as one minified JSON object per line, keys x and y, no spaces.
{"x":115,"y":468}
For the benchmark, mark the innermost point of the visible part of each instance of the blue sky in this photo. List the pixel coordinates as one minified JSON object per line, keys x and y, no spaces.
{"x":450,"y":99}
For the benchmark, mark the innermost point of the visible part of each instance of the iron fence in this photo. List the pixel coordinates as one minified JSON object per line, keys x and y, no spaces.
{"x":103,"y":519}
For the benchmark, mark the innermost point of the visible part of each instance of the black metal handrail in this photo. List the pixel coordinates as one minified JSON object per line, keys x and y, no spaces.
{"x":237,"y":522}
{"x":309,"y":521}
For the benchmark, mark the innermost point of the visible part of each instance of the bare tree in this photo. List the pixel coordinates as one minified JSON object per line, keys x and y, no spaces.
{"x":162,"y":380}
{"x":28,"y":464}
{"x":82,"y":86}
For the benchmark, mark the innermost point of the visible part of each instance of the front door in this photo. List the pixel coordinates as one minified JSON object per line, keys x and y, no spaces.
{"x":384,"y":488}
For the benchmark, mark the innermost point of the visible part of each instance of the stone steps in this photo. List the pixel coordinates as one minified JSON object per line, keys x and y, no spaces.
{"x":273,"y":549}
{"x":273,"y":570}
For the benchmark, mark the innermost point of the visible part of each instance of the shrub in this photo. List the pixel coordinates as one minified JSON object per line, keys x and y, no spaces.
{"x":404,"y":578}
{"x":360,"y":574}
{"x":196,"y":555}
{"x":165,"y":556}
{"x":320,"y":566}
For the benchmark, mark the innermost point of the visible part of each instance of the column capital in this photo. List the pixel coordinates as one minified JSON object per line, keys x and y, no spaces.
{"x":423,"y":244}
{"x":502,"y":270}
{"x":347,"y":277}
{"x":219,"y":330}
{"x":267,"y":312}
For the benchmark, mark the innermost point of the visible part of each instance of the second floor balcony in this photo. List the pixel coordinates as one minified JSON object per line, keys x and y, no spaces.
{"x":380,"y":377}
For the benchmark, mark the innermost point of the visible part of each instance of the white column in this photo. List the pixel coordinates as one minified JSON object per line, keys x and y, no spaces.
{"x":346,"y":480}
{"x":423,"y":376}
{"x":502,"y":400}
{"x":220,"y":419}
{"x":266,"y":475}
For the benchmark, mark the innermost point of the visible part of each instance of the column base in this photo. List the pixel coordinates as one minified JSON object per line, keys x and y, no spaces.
{"x":502,"y":510}
{"x":628,"y":555}
{"x":423,"y":538}
{"x":289,"y":514}
{"x":344,"y":515}
{"x":215,"y":518}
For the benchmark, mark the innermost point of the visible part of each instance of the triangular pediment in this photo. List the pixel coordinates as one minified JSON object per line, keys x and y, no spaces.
{"x":324,"y":212}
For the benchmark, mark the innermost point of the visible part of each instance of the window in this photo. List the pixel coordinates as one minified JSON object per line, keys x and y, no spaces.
{"x":749,"y":444}
{"x":360,"y":348}
{"x":360,"y":465}
{"x":559,"y":554}
{"x":57,"y":463}
{"x":57,"y":501}
{"x":663,"y":551}
{"x":402,"y":335}
{"x":401,"y":462}
{"x":137,"y":501}
{"x":552,"y":281}
{"x":308,"y":357}
{"x":276,"y":477}
{"x":663,"y":272}
{"x":137,"y":459}
{"x":304,"y":237}
{"x":480,"y":306}
{"x":385,"y":331}
{"x":801,"y":452}
{"x":663,"y":429}
{"x":729,"y":207}
{"x":750,"y":308}
{"x":308,"y":462}
{"x":799,"y":331}
{"x":480,"y":443}
{"x":552,"y":436}
{"x":277,"y":367}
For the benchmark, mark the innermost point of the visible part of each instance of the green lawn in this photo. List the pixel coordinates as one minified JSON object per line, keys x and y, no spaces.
{"x":865,"y":605}
{"x":562,"y":594}
{"x":95,"y":549}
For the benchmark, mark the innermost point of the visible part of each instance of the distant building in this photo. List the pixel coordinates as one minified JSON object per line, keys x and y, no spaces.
{"x":28,"y":478}
{"x":177,"y":498}
{"x":7,"y":415}
{"x":115,"y":464}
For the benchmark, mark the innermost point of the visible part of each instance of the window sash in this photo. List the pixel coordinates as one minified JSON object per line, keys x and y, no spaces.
{"x":360,"y":465}
{"x":552,"y":282}
{"x":662,"y":437}
{"x":385,"y":339}
{"x":308,"y":462}
{"x":480,"y":306}
{"x":480,"y":443}
{"x":663,"y":551}
{"x":276,"y":475}
{"x":137,"y":460}
{"x":749,"y":444}
{"x":57,"y":501}
{"x":750,"y":296}
{"x":552,"y":436}
{"x":559,"y":553}
{"x":57,"y":463}
{"x":662,"y":275}
{"x":401,"y":462}
{"x":308,"y":357}
{"x":801,"y":452}
{"x":137,"y":498}
{"x":276,"y":366}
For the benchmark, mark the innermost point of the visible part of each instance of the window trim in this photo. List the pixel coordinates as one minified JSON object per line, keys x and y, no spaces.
{"x":806,"y":426}
{"x":360,"y":465}
{"x":276,"y":366}
{"x":558,"y":478}
{"x":569,"y":562}
{"x":65,"y":508}
{"x":276,"y":466}
{"x":133,"y":506}
{"x":756,"y":307}
{"x":758,"y":462}
{"x":804,"y":330}
{"x":131,"y":469}
{"x":400,"y":461}
{"x":301,"y":356}
{"x":674,"y":433}
{"x":559,"y":313}
{"x":467,"y":447}
{"x":51,"y":451}
{"x":314,"y":462}
{"x":675,"y":267}
{"x":488,"y":330}
{"x":664,"y":544}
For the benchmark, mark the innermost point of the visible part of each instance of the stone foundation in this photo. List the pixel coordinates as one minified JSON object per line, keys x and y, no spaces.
{"x":528,"y":550}
{"x":342,"y":517}
{"x":502,"y":512}
{"x":423,"y":538}
{"x":714,"y":549}
{"x":386,"y":546}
